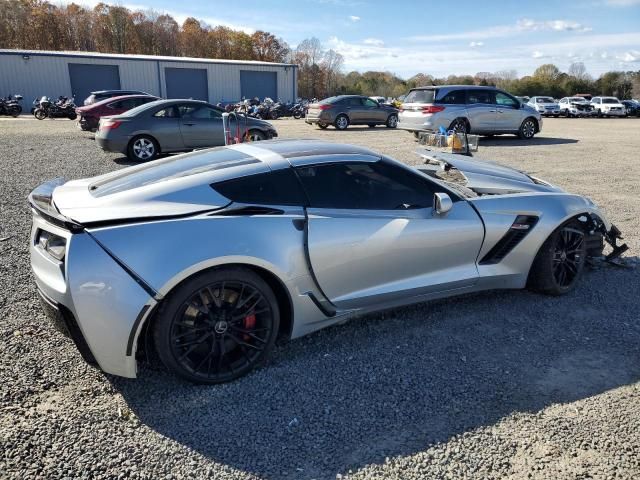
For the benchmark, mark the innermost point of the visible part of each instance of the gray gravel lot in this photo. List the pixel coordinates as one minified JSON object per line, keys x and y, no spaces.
{"x":496,"y":385}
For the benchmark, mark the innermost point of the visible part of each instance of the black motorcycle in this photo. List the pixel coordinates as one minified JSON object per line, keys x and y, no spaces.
{"x":61,"y":108}
{"x":11,"y":105}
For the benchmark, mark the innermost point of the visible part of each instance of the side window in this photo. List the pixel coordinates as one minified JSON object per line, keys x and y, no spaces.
{"x":169,"y":112}
{"x":199,"y":112}
{"x":454,"y":97}
{"x":116,"y":105}
{"x":354,"y":102}
{"x":373,"y":186}
{"x":507,"y":101}
{"x":480,"y":96}
{"x":280,"y":187}
{"x":368,"y":102}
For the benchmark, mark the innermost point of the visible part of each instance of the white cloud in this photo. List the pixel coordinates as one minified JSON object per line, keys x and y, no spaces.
{"x":523,"y":25}
{"x":538,"y":54}
{"x":476,"y":44}
{"x":376,"y":42}
{"x":630,"y":56}
{"x":354,"y":18}
{"x":622,"y":3}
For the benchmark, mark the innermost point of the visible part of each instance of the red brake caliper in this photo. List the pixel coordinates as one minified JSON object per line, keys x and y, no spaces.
{"x":249,"y":324}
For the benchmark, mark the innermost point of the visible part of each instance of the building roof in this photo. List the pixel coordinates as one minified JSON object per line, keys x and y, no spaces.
{"x":154,"y":58}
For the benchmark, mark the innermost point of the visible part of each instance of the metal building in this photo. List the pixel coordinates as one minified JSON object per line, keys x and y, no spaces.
{"x":33,"y":73}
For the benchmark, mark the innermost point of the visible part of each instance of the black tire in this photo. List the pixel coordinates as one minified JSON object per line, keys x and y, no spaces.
{"x":274,"y":115}
{"x":256,"y":136}
{"x":40,"y":114}
{"x":226,"y":315}
{"x":528,"y":129}
{"x":143,"y":148}
{"x":14,"y":111}
{"x":371,"y":125}
{"x":297,"y":115}
{"x":341,"y":122}
{"x":560,"y":261}
{"x":416,"y":135}
{"x":73,"y":116}
{"x":392,"y":121}
{"x":322,"y":126}
{"x":459,"y":125}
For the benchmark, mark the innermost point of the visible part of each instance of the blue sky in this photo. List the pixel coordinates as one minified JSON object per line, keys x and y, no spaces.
{"x":439,"y":38}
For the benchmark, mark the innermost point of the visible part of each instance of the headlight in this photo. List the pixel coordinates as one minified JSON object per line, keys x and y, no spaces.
{"x":54,"y":245}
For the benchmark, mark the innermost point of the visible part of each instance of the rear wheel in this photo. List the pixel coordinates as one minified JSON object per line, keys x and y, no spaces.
{"x":459,"y":125}
{"x":217,"y":326}
{"x":341,"y":123}
{"x":392,"y":121}
{"x":143,"y":149}
{"x":40,"y":114}
{"x":560,"y":262}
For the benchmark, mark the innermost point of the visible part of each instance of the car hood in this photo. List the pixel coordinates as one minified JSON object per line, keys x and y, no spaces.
{"x":480,"y":176}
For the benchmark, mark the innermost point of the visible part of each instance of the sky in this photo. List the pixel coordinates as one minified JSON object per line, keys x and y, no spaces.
{"x":438,"y":37}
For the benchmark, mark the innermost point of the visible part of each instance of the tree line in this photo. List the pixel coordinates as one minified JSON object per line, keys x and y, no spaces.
{"x":41,"y":25}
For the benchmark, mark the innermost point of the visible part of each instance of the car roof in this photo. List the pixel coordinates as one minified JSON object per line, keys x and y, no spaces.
{"x":108,"y":92}
{"x":480,"y":87}
{"x":118,"y":98}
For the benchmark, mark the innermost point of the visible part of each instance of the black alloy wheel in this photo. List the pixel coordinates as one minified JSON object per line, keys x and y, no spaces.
{"x":218,"y":327}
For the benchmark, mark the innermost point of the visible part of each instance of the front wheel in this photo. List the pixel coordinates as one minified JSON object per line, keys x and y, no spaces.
{"x":527,"y":129}
{"x":142,"y":149}
{"x":217,"y":326}
{"x":40,"y":114}
{"x":560,"y":262}
{"x":256,"y":136}
{"x":392,"y":121}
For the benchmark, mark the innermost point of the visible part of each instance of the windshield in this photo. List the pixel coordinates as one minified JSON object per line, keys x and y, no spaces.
{"x":577,"y":99}
{"x":610,"y":100}
{"x":544,"y":100}
{"x":140,"y":108}
{"x":170,"y":168}
{"x":421,"y":96}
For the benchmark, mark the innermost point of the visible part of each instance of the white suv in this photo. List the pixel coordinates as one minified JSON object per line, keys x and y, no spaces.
{"x":608,"y":106}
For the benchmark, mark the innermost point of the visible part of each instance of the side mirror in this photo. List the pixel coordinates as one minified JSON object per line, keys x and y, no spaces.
{"x":442,"y":203}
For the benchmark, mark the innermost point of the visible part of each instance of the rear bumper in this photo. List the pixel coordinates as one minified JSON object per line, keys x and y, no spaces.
{"x":88,"y":123}
{"x":112,"y":145}
{"x":91,"y":298}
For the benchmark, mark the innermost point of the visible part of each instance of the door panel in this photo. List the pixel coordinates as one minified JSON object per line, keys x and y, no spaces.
{"x":165,"y":127}
{"x":481,"y":110}
{"x":201,"y":126}
{"x":356,"y":111}
{"x":363,"y":257}
{"x":508,"y":113}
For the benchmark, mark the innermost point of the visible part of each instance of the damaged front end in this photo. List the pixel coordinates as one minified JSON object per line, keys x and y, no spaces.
{"x":597,"y":235}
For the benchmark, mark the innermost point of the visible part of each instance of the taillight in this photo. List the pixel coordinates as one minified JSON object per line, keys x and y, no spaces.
{"x":109,"y":124}
{"x":324,"y":107}
{"x":432,"y":109}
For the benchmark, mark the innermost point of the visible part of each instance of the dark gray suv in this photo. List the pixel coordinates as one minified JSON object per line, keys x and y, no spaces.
{"x":345,"y":110}
{"x":467,"y":108}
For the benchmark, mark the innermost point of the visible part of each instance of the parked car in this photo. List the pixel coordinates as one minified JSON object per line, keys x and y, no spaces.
{"x":345,"y":110}
{"x":575,"y":107}
{"x":209,"y":257}
{"x":524,"y":99}
{"x":382,"y":100}
{"x":167,"y":126}
{"x":470,"y":109}
{"x":545,"y":106}
{"x":608,"y":107}
{"x":90,"y":114}
{"x":104,"y":94}
{"x":632,"y":107}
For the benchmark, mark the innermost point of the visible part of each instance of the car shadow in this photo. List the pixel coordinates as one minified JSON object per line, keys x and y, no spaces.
{"x":513,"y":141}
{"x":396,"y":383}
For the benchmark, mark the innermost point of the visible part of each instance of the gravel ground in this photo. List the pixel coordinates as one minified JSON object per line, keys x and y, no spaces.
{"x":495,"y":385}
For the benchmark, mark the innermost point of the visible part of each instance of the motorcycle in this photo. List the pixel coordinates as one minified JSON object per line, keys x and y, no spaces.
{"x":11,"y":105}
{"x":61,"y":108}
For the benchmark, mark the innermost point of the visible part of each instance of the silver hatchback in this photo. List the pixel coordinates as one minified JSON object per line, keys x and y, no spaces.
{"x":470,"y":109}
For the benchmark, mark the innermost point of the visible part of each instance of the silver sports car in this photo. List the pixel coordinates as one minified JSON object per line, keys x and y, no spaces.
{"x":207,"y":258}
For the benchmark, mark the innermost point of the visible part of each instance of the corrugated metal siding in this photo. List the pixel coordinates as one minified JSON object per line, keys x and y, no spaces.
{"x":49,"y":75}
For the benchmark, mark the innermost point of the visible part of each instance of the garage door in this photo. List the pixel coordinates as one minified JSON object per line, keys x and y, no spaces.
{"x":186,"y":83}
{"x":86,"y":78}
{"x":259,"y":84}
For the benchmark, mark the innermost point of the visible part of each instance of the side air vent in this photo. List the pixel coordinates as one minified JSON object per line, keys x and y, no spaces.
{"x":522,"y":225}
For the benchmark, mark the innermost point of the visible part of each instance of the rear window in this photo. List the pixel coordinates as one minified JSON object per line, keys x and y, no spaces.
{"x":272,"y":188}
{"x":172,"y":167}
{"x":421,"y":96}
{"x":544,"y":100}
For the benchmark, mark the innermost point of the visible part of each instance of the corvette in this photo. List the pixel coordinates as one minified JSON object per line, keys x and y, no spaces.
{"x":207,"y":258}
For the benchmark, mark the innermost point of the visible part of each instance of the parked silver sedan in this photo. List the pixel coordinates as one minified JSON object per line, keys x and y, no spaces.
{"x":470,"y":109}
{"x":167,"y":126}
{"x":545,"y":106}
{"x":210,"y":256}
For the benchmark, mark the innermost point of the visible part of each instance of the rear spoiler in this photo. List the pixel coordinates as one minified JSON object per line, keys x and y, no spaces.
{"x":41,"y":202}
